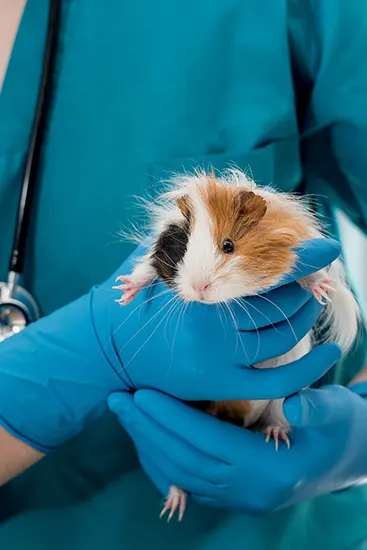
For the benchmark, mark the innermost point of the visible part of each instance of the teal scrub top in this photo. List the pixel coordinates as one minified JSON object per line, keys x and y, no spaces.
{"x":142,"y":89}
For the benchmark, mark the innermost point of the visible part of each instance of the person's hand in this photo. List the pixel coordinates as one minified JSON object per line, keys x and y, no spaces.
{"x":233,"y":468}
{"x":199,"y":352}
{"x":56,"y":375}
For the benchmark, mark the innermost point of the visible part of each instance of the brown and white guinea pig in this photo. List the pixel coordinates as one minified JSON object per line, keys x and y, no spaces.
{"x":216,"y":239}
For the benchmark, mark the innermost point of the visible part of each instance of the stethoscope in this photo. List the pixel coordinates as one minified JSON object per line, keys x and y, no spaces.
{"x":18,"y":308}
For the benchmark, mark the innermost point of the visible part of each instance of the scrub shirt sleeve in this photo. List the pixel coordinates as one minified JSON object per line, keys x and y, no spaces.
{"x":335,"y":136}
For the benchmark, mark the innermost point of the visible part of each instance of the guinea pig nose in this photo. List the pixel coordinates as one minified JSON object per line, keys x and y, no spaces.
{"x":200,"y":287}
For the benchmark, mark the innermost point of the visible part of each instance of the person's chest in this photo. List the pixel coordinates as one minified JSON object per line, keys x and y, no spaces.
{"x":142,"y":90}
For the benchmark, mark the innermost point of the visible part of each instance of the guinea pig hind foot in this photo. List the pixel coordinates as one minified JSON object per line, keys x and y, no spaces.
{"x":320,"y":290}
{"x":275,"y":433}
{"x":176,"y":499}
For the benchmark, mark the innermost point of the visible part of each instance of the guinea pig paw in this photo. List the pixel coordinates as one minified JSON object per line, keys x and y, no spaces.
{"x":129,"y":288}
{"x":176,"y":499}
{"x":320,"y":290}
{"x":273,"y":432}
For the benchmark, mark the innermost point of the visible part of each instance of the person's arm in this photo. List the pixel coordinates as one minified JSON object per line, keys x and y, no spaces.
{"x":10,"y":16}
{"x":15,"y":456}
{"x":360,"y":377}
{"x":335,"y":133}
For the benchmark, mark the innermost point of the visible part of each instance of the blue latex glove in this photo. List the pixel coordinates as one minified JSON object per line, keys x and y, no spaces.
{"x":230,"y":467}
{"x":56,"y":375}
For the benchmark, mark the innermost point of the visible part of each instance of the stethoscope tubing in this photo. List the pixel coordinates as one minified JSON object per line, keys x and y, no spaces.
{"x":14,"y":299}
{"x":16,"y":262}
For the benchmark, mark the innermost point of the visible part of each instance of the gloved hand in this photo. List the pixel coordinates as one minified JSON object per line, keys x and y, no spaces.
{"x":56,"y":375}
{"x":233,"y":468}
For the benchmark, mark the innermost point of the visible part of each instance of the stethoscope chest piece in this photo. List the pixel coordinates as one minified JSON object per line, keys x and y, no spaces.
{"x":18,"y":308}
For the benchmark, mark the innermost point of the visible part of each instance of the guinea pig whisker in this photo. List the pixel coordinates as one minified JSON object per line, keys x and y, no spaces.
{"x":177,"y":240}
{"x":156,"y":283}
{"x":234,"y":322}
{"x":171,"y":264}
{"x":133,"y":311}
{"x":151,"y":335}
{"x":167,"y":264}
{"x":219,"y":309}
{"x":282,"y":312}
{"x":240,"y":300}
{"x":166,"y":281}
{"x":304,"y":264}
{"x":146,"y":324}
{"x":233,"y":317}
{"x":255,"y":327}
{"x":224,"y":313}
{"x":181,"y":315}
{"x":171,"y":317}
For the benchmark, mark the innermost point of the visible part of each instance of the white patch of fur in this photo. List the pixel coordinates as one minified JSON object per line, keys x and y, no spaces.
{"x":272,"y":414}
{"x":341,"y":317}
{"x":200,"y":263}
{"x":143,"y":273}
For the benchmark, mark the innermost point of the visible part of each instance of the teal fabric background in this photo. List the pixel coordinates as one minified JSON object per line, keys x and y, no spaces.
{"x":141,"y":89}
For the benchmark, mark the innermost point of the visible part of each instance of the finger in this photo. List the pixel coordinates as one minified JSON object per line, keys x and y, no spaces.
{"x":154,"y":437}
{"x":268,"y":309}
{"x":177,"y":476}
{"x":250,"y":348}
{"x":166,"y":448}
{"x":272,"y":383}
{"x":207,"y":501}
{"x":121,"y":403}
{"x":275,"y":341}
{"x":359,"y":387}
{"x":315,"y":408}
{"x":313,"y":255}
{"x":201,"y":431}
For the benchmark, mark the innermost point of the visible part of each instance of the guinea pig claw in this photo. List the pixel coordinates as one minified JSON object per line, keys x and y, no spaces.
{"x":285,"y":438}
{"x":127,"y":297}
{"x":320,"y":291}
{"x":176,"y":499}
{"x":123,"y":279}
{"x":128,"y":287}
{"x":276,"y":433}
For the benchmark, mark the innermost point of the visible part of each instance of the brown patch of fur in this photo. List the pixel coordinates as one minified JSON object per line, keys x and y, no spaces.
{"x":234,"y":212}
{"x":264,"y":233}
{"x":268,"y":251}
{"x":236,"y":409}
{"x":185,"y":207}
{"x":249,"y":210}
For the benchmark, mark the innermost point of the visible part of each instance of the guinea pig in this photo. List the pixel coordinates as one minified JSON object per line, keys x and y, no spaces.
{"x":220,"y":238}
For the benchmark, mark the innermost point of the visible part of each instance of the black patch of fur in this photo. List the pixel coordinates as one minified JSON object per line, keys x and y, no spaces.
{"x":169,"y":250}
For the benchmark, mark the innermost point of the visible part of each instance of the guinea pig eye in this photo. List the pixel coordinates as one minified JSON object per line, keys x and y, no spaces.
{"x":228,"y":246}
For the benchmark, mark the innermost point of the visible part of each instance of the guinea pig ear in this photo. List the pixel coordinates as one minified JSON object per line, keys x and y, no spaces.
{"x":250,"y":208}
{"x":184,"y":205}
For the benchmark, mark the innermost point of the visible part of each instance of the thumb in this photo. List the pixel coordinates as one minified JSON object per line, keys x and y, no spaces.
{"x":314,"y":408}
{"x":120,"y":403}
